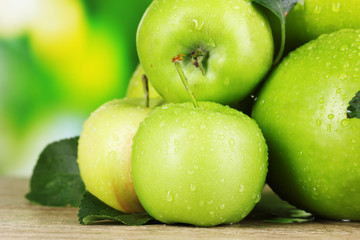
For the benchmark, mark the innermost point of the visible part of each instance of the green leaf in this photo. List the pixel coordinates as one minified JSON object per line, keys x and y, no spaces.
{"x":353,"y":111}
{"x":93,"y":210}
{"x":288,"y":220}
{"x":280,"y":8}
{"x":56,"y":179}
{"x":272,"y":209}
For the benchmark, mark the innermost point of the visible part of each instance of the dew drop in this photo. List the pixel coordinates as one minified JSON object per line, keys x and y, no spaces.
{"x":331,"y":116}
{"x":232,"y":144}
{"x":112,"y":155}
{"x":344,"y":122}
{"x":321,"y":100}
{"x":192,"y":187}
{"x":317,"y":9}
{"x":335,"y":7}
{"x":318,"y":122}
{"x":169,"y":197}
{"x":329,"y":127}
{"x":344,"y":48}
{"x":257,"y":198}
{"x":342,"y":76}
{"x":116,"y":137}
{"x":242,"y":188}
{"x":197,"y":25}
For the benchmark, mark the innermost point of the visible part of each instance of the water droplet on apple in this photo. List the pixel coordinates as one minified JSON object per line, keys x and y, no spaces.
{"x":192,"y":187}
{"x":329,"y":128}
{"x":112,"y":155}
{"x":335,"y":7}
{"x":198,"y":26}
{"x":169,"y":196}
{"x":210,"y":202}
{"x":344,"y":48}
{"x":344,"y":122}
{"x":116,"y":137}
{"x":222,"y":206}
{"x":331,"y":116}
{"x":162,"y":124}
{"x":242,"y":188}
{"x":342,"y":76}
{"x":318,"y":122}
{"x":222,"y":180}
{"x":190,"y":172}
{"x":321,"y":100}
{"x":257,"y":198}
{"x":232,"y":144}
{"x":317,"y":9}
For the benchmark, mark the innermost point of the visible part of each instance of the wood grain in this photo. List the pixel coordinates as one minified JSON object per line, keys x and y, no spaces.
{"x":20,"y":219}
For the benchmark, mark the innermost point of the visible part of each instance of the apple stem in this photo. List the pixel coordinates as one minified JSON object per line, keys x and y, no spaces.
{"x":197,"y":57}
{"x":145,"y":82}
{"x":176,"y":60}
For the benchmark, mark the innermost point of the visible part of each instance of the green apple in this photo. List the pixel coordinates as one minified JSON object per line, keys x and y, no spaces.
{"x":104,"y":152}
{"x":314,"y":160}
{"x":202,"y":166}
{"x":311,"y":18}
{"x":227,"y":48}
{"x":135,"y":87}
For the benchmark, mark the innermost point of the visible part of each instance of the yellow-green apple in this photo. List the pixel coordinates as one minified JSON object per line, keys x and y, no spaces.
{"x":104,"y":152}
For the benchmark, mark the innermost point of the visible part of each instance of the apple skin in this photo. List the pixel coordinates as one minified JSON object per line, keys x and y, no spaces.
{"x":104,"y":152}
{"x":310,"y":19}
{"x":203,"y":166}
{"x":314,"y":154}
{"x":135,"y":87}
{"x":236,"y":35}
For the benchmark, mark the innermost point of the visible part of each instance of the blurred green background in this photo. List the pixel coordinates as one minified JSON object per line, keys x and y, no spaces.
{"x":59,"y":61}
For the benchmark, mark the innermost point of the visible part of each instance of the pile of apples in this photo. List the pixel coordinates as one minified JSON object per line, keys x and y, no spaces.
{"x":184,"y":156}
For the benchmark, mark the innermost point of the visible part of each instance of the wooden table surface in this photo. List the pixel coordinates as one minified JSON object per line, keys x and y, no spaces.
{"x":20,"y":219}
